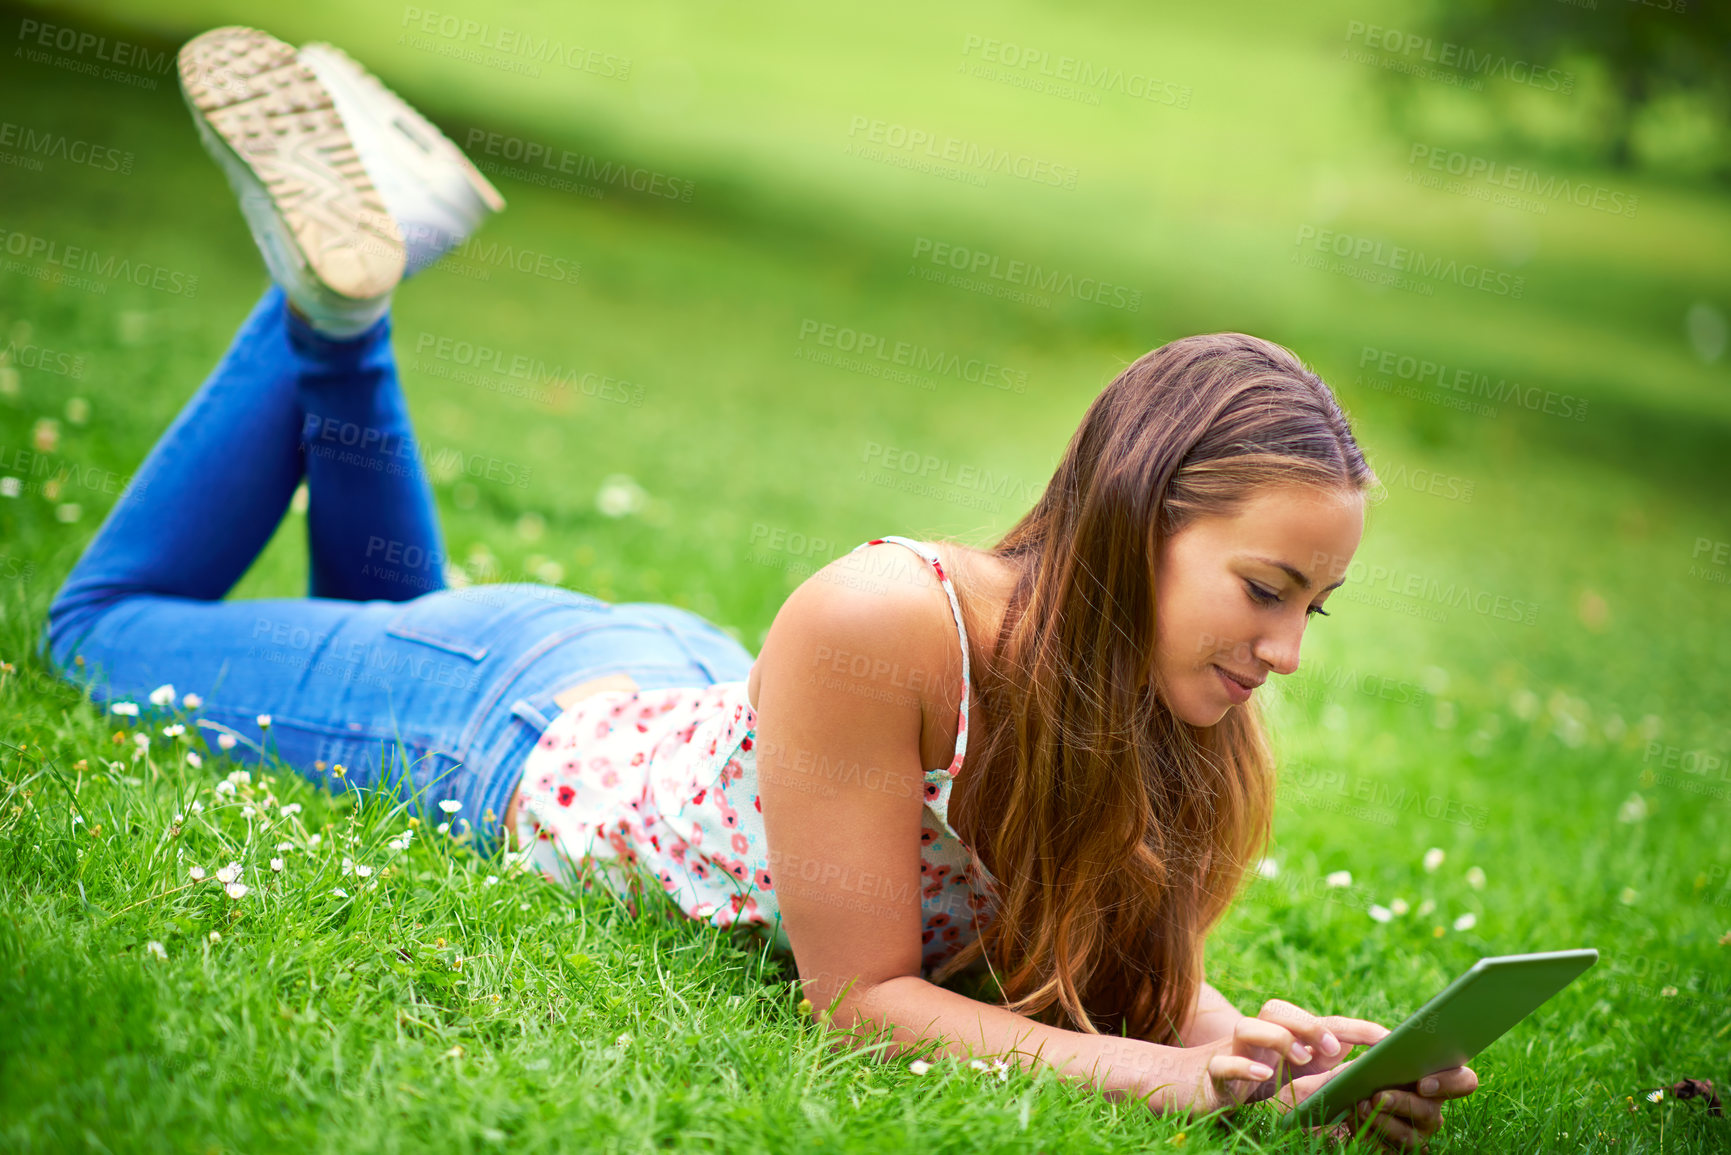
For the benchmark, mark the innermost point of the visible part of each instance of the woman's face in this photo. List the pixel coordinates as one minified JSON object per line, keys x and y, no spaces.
{"x":1234,"y":593}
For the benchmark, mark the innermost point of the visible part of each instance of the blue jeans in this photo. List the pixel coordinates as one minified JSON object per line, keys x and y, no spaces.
{"x":426,"y":693}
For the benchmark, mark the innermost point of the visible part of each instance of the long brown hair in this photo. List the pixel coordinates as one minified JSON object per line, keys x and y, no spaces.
{"x":1118,"y":833}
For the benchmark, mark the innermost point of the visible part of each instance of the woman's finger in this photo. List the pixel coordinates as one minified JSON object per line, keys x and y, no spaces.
{"x":1454,"y":1083}
{"x":1224,"y":1066}
{"x":1423,"y":1114}
{"x":1307,"y":1028}
{"x":1302,"y":1087}
{"x":1387,"y":1128}
{"x":1355,"y":1030}
{"x":1258,"y":1032}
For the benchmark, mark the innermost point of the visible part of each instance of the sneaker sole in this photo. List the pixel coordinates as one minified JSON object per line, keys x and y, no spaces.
{"x":258,"y":106}
{"x":438,"y":147}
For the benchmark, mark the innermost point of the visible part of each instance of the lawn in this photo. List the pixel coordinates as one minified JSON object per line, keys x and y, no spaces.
{"x":1510,"y":735}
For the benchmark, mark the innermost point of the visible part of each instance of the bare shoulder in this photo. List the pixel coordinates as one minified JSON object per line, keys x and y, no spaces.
{"x":875,"y":629}
{"x":881,"y":601}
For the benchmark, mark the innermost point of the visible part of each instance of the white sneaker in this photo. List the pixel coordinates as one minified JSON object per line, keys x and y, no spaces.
{"x":436,"y":194}
{"x":325,"y":233}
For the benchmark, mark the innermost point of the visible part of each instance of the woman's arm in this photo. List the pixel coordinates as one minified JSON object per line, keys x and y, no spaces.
{"x":850,"y":708}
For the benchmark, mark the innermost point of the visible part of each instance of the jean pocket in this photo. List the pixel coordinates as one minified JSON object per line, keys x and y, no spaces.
{"x":466,"y":622}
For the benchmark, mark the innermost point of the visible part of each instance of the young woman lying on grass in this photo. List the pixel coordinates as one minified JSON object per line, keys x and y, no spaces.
{"x":1042,"y":759}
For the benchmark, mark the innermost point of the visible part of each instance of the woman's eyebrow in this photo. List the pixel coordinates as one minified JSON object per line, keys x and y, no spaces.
{"x":1295,"y":573}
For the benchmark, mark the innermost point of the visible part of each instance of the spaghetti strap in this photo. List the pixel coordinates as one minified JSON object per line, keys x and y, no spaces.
{"x":931,"y":555}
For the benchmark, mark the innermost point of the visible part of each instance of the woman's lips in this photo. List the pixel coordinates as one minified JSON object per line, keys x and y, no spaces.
{"x":1236,"y":690}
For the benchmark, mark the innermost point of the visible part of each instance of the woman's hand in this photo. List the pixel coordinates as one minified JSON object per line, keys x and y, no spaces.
{"x":1280,"y":1043}
{"x":1396,"y":1117}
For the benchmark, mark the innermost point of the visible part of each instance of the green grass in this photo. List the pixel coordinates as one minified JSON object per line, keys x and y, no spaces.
{"x":318,"y":1022}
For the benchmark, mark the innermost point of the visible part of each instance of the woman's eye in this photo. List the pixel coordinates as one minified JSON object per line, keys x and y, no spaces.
{"x":1269,"y":597}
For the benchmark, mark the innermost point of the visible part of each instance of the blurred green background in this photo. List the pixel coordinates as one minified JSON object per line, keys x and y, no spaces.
{"x":1529,"y":203}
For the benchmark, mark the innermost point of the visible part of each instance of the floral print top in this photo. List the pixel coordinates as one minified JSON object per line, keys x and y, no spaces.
{"x":665,"y":781}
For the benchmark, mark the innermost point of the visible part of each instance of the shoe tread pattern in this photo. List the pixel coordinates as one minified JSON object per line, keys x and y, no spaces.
{"x":254,"y":94}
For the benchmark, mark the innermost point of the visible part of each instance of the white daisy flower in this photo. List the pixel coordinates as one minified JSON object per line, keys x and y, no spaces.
{"x":163,"y":695}
{"x":1634,"y":808}
{"x":247,"y":811}
{"x":919,"y":1066}
{"x":276,"y":865}
{"x":225,"y":741}
{"x":225,"y":787}
{"x":191,"y":701}
{"x":315,"y":839}
{"x":490,"y":880}
{"x":142,"y":741}
{"x":129,"y":709}
{"x":1398,"y":906}
{"x":236,"y":890}
{"x":364,"y":870}
{"x":264,"y":721}
{"x":450,"y":806}
{"x":620,"y":495}
{"x":285,"y":846}
{"x":1339,"y":878}
{"x":240,"y":777}
{"x":1268,"y":868}
{"x":216,"y":936}
{"x":1433,"y":858}
{"x":196,"y":873}
{"x":193,"y":760}
{"x":174,"y":731}
{"x":1466,"y":921}
{"x":339,"y":892}
{"x":1380,"y":913}
{"x":443,"y":828}
{"x":156,"y":949}
{"x":978,"y":1065}
{"x":228,"y":873}
{"x":291,"y":808}
{"x":348,"y":865}
{"x":197,"y":807}
{"x":1475,"y":878}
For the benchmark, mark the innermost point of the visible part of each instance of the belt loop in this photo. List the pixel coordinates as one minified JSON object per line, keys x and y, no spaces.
{"x":526,"y":710}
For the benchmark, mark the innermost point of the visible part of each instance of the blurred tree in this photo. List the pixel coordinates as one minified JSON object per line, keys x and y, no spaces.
{"x":1647,"y":51}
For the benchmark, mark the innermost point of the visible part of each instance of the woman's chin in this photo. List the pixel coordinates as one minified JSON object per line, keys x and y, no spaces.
{"x":1201,"y":714}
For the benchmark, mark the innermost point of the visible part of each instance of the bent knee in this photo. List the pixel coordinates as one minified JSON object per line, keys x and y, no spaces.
{"x":70,"y":619}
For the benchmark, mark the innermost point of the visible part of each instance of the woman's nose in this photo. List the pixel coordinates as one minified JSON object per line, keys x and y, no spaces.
{"x":1279,"y":651}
